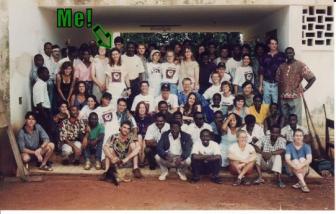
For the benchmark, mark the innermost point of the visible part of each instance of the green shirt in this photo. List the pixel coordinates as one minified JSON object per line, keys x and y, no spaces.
{"x":98,"y":130}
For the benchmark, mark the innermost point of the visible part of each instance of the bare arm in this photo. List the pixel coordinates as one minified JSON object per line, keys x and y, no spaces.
{"x":58,"y":85}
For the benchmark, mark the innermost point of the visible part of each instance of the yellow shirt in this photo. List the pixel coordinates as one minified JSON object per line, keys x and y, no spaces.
{"x":261,"y":116}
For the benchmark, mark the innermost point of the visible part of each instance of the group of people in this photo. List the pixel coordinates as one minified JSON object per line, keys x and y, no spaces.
{"x":172,"y":106}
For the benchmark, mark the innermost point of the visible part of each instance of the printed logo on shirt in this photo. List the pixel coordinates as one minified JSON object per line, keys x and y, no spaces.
{"x":116,"y":76}
{"x":107,"y":117}
{"x":248,"y":76}
{"x":156,"y":71}
{"x":170,"y":72}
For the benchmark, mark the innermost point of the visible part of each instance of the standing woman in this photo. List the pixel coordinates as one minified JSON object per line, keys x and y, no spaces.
{"x":143,"y":120}
{"x":154,"y":73}
{"x":98,"y":72}
{"x":116,"y":78}
{"x":65,"y":82}
{"x":229,"y":131}
{"x":78,"y":99}
{"x":190,"y":68}
{"x":83,"y":69}
{"x":170,"y":72}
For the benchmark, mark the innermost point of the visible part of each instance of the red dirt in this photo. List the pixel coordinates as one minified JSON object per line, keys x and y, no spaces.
{"x":88,"y":193}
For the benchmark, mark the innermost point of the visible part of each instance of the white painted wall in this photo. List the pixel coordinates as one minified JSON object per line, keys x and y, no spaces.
{"x":29,"y":29}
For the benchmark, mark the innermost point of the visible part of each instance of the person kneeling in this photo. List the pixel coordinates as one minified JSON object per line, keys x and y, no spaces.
{"x":173,"y":151}
{"x":29,"y":140}
{"x":93,"y":140}
{"x":242,"y":158}
{"x":119,"y":150}
{"x":206,"y":158}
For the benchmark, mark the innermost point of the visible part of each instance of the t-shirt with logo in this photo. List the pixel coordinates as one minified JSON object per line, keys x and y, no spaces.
{"x":170,"y":72}
{"x":154,"y":77}
{"x":116,"y":80}
{"x":243,"y":74}
{"x":108,"y":118}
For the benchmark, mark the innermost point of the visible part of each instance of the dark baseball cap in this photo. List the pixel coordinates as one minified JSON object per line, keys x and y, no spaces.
{"x":165,"y":87}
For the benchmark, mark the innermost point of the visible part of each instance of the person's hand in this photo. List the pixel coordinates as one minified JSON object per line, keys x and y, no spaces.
{"x":266,"y":155}
{"x":87,"y":129}
{"x":261,"y":90}
{"x":77,"y":151}
{"x":38,"y":155}
{"x":241,"y":165}
{"x":169,"y":158}
{"x":129,"y":92}
{"x":254,"y":140}
{"x":178,"y":161}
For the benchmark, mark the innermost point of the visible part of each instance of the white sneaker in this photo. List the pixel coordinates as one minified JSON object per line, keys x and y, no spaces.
{"x":181,"y":175}
{"x":163,"y":176}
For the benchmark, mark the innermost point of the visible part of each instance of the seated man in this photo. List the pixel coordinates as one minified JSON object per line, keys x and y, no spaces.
{"x":72,"y":131}
{"x":174,"y":148}
{"x":153,"y":136}
{"x":254,"y":131}
{"x":195,"y":128}
{"x":93,"y":140}
{"x":274,"y":118}
{"x":123,"y":115}
{"x":122,"y":148}
{"x":163,"y":109}
{"x":298,"y":157}
{"x":34,"y":141}
{"x":288,"y":131}
{"x":242,"y":158}
{"x":206,"y":158}
{"x":170,"y":98}
{"x":259,"y":110}
{"x":269,"y":152}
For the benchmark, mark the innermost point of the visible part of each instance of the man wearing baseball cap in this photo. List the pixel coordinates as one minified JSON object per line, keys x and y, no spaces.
{"x":170,"y":98}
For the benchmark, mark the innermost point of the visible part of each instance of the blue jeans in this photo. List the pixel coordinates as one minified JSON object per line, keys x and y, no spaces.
{"x":292,"y":106}
{"x":270,"y":92}
{"x":98,"y":150}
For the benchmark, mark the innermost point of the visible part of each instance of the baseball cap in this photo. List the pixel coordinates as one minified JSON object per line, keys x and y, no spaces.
{"x":153,"y":52}
{"x":165,"y":87}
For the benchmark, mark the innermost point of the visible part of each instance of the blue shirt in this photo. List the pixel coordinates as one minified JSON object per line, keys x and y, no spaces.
{"x":297,"y":154}
{"x":31,"y":141}
{"x":269,"y":65}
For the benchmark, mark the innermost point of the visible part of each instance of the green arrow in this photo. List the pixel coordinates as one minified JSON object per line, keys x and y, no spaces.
{"x":103,"y":38}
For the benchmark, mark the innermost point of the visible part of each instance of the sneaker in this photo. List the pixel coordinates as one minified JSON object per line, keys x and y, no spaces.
{"x":305,"y":189}
{"x":238,"y":182}
{"x":296,"y":186}
{"x":217,"y":180}
{"x":137,"y":173}
{"x":258,"y":181}
{"x":281,"y":184}
{"x":194,"y":179}
{"x":111,"y":175}
{"x":163,"y":176}
{"x":98,"y":165}
{"x":246,"y":181}
{"x":181,"y":175}
{"x":87,"y":165}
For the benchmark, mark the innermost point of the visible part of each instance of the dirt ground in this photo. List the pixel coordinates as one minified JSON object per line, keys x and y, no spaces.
{"x":88,"y":193}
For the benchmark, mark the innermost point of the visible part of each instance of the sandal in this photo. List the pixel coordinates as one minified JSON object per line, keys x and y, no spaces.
{"x":296,"y":186}
{"x":305,"y":189}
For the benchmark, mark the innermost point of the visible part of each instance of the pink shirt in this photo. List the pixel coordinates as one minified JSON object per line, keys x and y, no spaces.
{"x":83,"y":73}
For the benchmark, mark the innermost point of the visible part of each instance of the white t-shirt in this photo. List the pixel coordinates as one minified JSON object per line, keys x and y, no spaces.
{"x":133,"y":66}
{"x":85,"y":112}
{"x":227,"y":101}
{"x":148,"y":99}
{"x":208,"y":94}
{"x":154,"y":77}
{"x":172,"y":101}
{"x":232,"y":65}
{"x":175,"y":147}
{"x":116,"y":80}
{"x":243,"y":74}
{"x":235,"y":150}
{"x":226,"y":77}
{"x":194,"y":131}
{"x":108,"y":117}
{"x":212,"y":149}
{"x":170,"y":72}
{"x":154,"y":133}
{"x":257,"y":132}
{"x":40,"y":94}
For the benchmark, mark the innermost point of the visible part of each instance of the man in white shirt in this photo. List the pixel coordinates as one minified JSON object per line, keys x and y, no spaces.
{"x":174,"y":148}
{"x":48,"y":59}
{"x":206,"y":158}
{"x":153,"y":136}
{"x":179,"y":117}
{"x":134,"y":68}
{"x":254,"y":131}
{"x":234,"y":62}
{"x":214,"y":88}
{"x":242,"y":158}
{"x":288,"y":131}
{"x":41,"y":99}
{"x":195,"y":128}
{"x":144,"y":96}
{"x":170,"y":98}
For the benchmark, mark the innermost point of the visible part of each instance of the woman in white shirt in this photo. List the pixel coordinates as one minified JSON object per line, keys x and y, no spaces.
{"x":88,"y":108}
{"x":117,"y":81}
{"x":154,"y":73}
{"x":190,"y":68}
{"x":98,"y":72}
{"x":170,"y":72}
{"x":227,"y":97}
{"x":243,"y":73}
